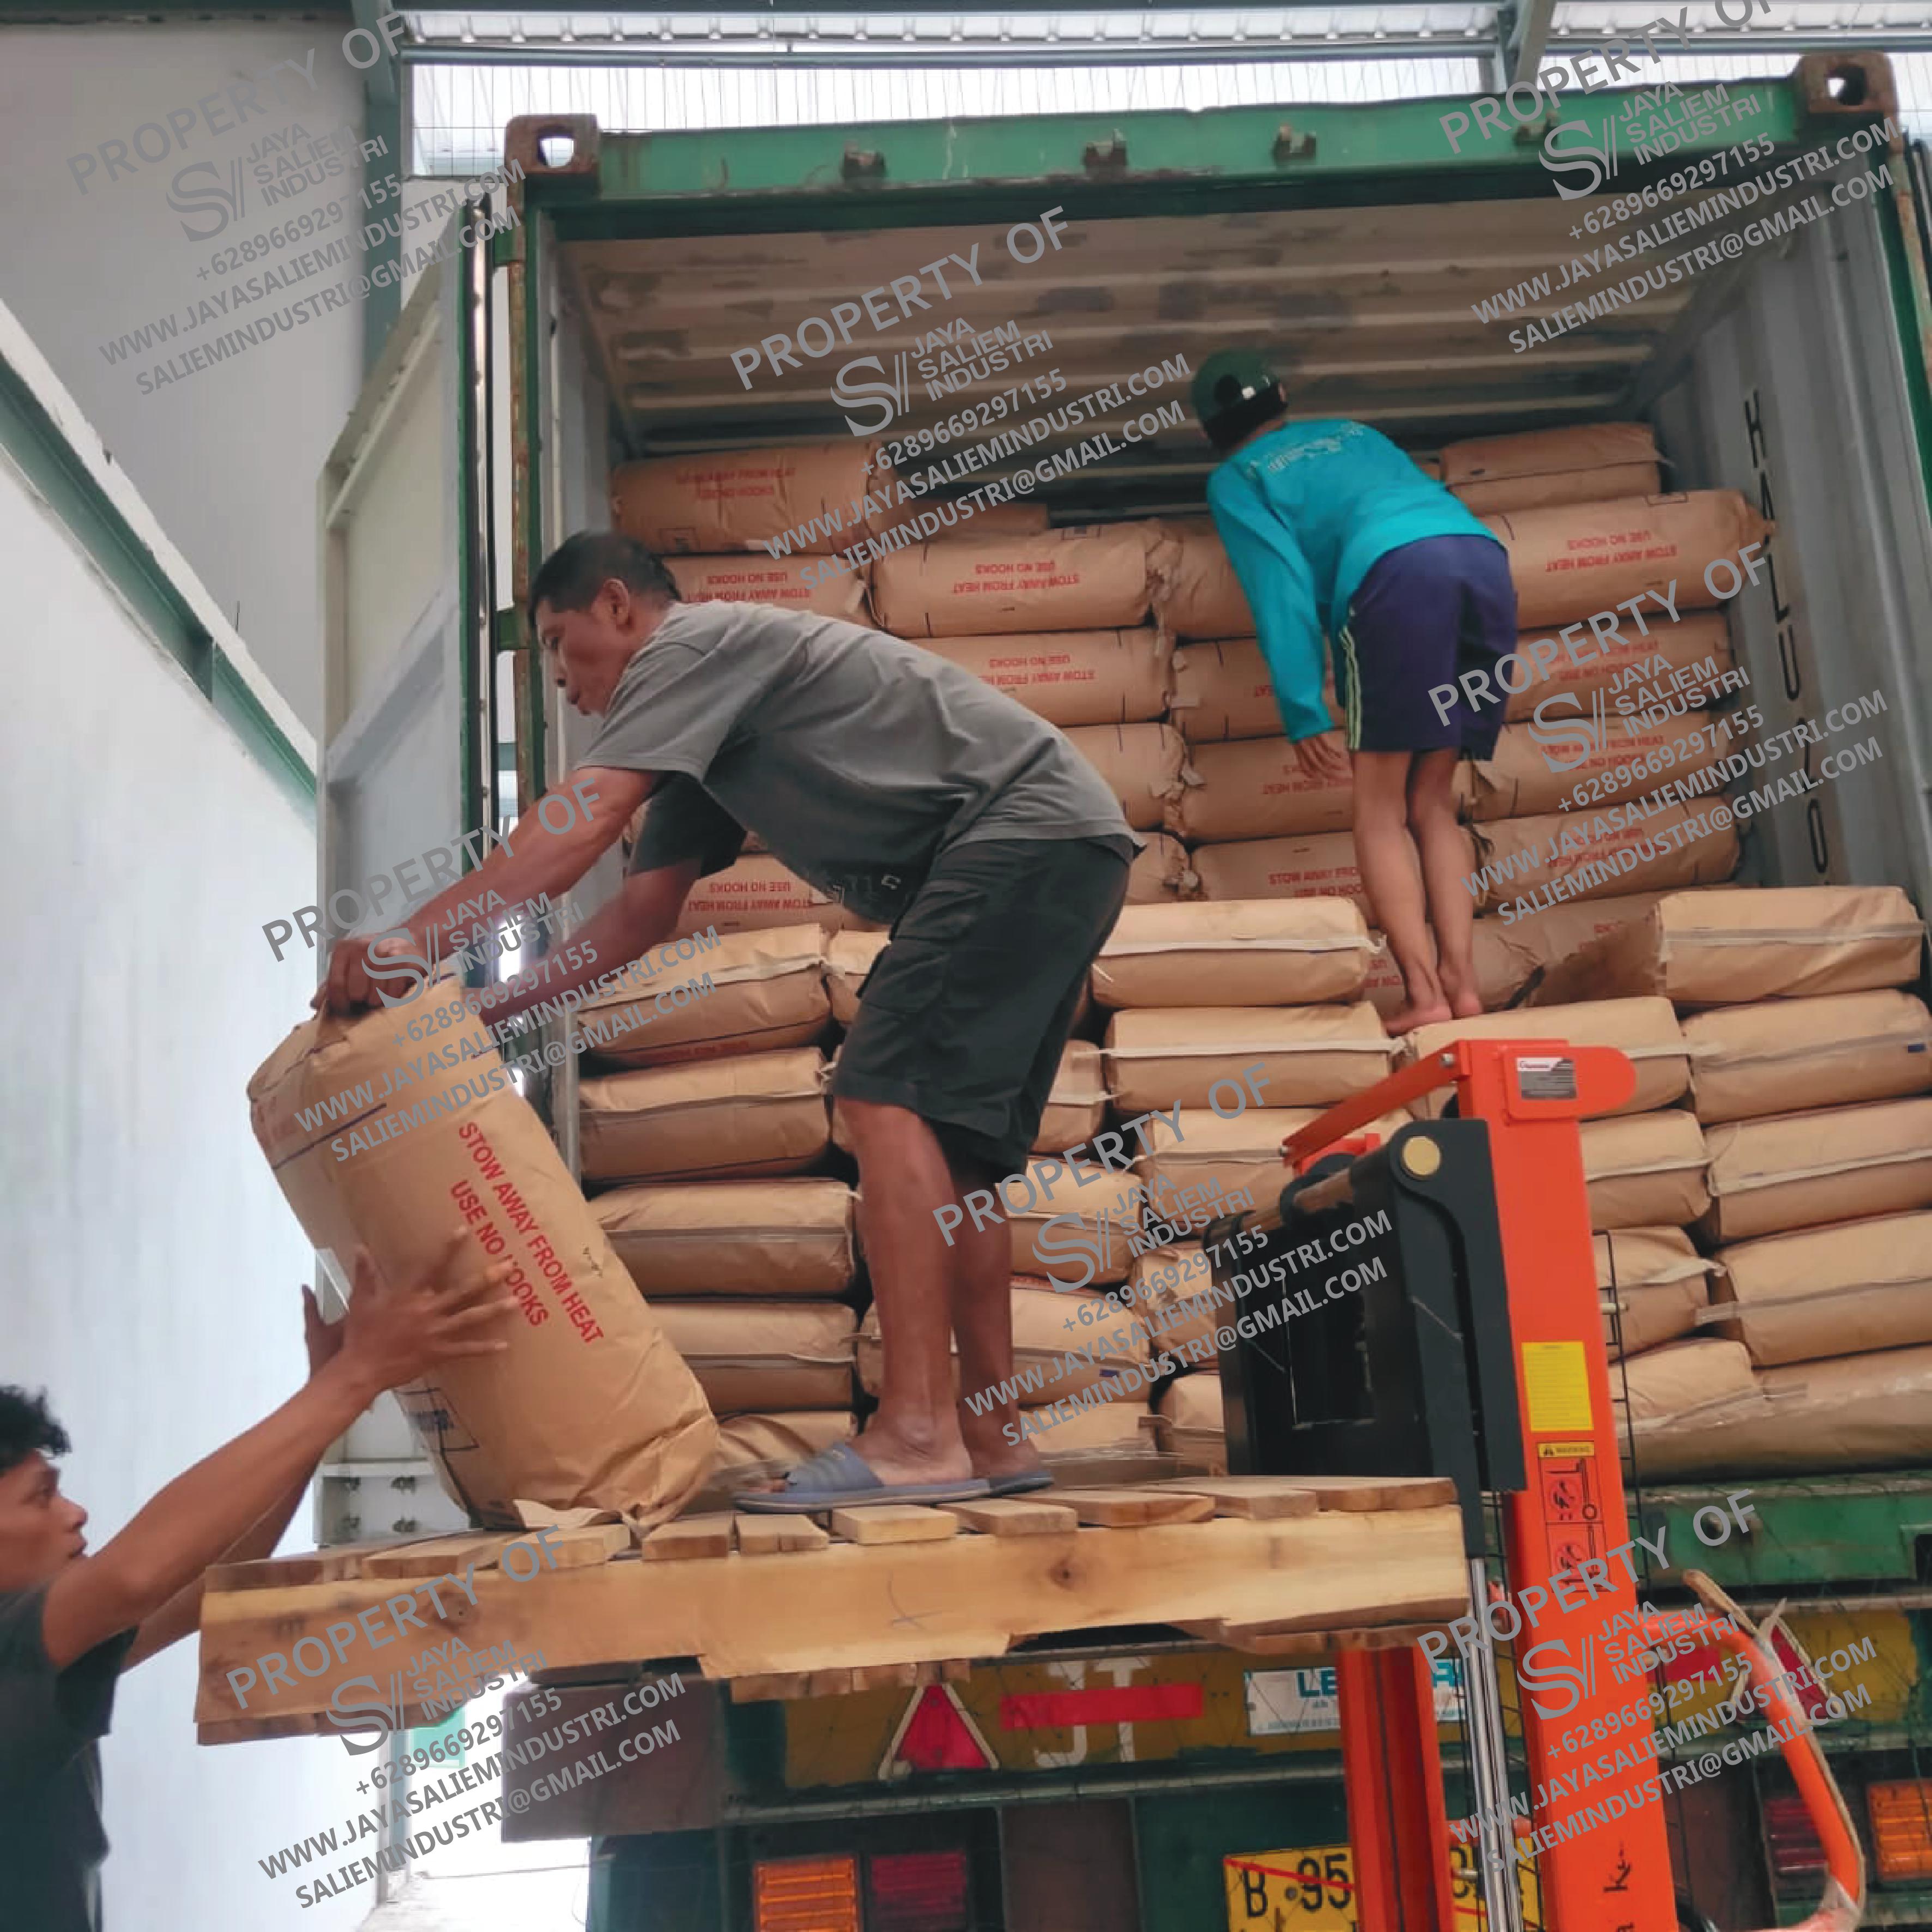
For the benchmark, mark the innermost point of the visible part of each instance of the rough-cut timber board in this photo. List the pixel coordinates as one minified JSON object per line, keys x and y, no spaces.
{"x":767,"y":1535}
{"x":582,"y":1549}
{"x":438,"y":1557}
{"x":689,"y":1536}
{"x":1342,"y":1492}
{"x":1259,"y":1496}
{"x":893,"y":1523}
{"x":1014,"y":1516}
{"x":850,"y":1605}
{"x":1134,"y":1509}
{"x":309,"y":1566}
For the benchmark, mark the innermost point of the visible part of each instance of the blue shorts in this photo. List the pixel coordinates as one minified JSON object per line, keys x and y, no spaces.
{"x":1426,"y":613}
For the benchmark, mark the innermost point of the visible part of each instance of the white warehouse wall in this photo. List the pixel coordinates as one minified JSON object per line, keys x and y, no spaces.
{"x":227,"y":455}
{"x":153,"y":1286}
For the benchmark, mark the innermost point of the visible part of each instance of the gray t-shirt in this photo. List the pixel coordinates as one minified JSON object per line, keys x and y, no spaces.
{"x":51,"y":1841}
{"x":856,"y":757}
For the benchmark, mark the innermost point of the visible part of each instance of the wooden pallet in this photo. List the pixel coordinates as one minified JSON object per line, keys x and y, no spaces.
{"x":790,"y":1605}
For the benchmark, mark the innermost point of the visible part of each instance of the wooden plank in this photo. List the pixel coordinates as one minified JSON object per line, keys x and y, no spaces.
{"x":770,"y":1688}
{"x":777,"y":1535}
{"x":584,"y":1548}
{"x":1266,"y":1498}
{"x":1135,"y":1509}
{"x":1014,"y":1516}
{"x":1425,"y":1610}
{"x":955,"y":1670}
{"x":893,"y":1523}
{"x":1333,"y":1493}
{"x":440,"y":1556}
{"x":966,"y":1598}
{"x":885,"y":1676}
{"x":685,"y":1537}
{"x":307,"y":1566}
{"x":828,"y":1683}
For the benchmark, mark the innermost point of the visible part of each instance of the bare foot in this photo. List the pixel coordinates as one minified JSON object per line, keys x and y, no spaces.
{"x":1406,"y":1019}
{"x":993,"y":1455}
{"x":895,"y":1460}
{"x":1465,"y":1002}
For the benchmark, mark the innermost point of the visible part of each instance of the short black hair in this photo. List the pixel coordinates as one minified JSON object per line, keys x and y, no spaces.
{"x":27,"y":1424}
{"x":1227,"y":426}
{"x":581,"y":566}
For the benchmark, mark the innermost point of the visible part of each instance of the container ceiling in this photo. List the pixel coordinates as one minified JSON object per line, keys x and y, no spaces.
{"x":1367,"y":310}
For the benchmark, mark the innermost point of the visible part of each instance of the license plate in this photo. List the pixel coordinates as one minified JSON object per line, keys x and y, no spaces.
{"x":1311,"y":1888}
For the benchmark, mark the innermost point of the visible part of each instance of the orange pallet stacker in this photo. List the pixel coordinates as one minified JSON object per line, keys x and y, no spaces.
{"x":1440,"y":1317}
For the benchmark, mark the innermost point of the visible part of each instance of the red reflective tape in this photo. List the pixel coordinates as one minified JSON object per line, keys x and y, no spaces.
{"x":1109,"y":1704}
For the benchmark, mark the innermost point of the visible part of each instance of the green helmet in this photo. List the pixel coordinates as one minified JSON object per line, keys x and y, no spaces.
{"x":1230,"y":384}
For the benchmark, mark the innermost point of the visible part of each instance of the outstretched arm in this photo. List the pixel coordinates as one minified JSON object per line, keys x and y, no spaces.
{"x":392,"y":1335}
{"x":534,"y":859}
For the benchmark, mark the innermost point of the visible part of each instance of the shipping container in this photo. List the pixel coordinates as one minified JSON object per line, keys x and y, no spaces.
{"x":1104,"y":1785}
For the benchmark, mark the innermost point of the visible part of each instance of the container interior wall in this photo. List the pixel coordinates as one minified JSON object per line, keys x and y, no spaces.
{"x":1795,"y":392}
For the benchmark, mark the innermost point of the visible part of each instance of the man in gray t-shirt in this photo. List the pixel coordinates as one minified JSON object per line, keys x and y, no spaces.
{"x":907,"y":789}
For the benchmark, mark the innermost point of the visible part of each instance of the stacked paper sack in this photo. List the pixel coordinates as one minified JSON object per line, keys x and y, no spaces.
{"x":1794,"y":1332}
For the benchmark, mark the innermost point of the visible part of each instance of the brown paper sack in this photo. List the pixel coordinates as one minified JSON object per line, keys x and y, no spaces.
{"x":1781,"y":942}
{"x":750,"y":1355}
{"x":757,"y":892}
{"x":1076,"y":1108}
{"x":1516,"y":782}
{"x":1191,"y":1424}
{"x":1841,"y":1290}
{"x":1093,"y":578}
{"x":1683,"y":1378}
{"x":1222,"y":690}
{"x":755,"y":1448}
{"x":1644,"y":1031}
{"x":1307,"y":1056}
{"x":1431,"y":467}
{"x":1507,"y":955}
{"x":1234,"y":952}
{"x":745,"y":1237}
{"x":1784,"y":1056}
{"x":755,"y":1114}
{"x":1042,"y":1345}
{"x":1564,"y":855}
{"x":1140,"y":763}
{"x":1657,"y":1282}
{"x":1580,"y":465}
{"x":1071,"y":677}
{"x":1607,"y":657}
{"x":1797,"y":1170}
{"x":1169,"y":1290}
{"x":1088,"y":1250}
{"x":1007,"y":519}
{"x":1255,"y":788}
{"x":1109,"y":1431}
{"x":849,"y":957}
{"x":1161,"y":873}
{"x":747,"y":578}
{"x":1212,"y":1153}
{"x":1858,"y":1412}
{"x":767,"y":991}
{"x":1319,"y":865}
{"x":1196,"y":592}
{"x":735,"y":500}
{"x":1384,"y":988}
{"x":1644,"y":1170}
{"x":1574,"y":559}
{"x":590,"y":1407}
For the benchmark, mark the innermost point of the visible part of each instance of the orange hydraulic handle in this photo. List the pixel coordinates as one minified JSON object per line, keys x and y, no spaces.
{"x":1842,"y":1905}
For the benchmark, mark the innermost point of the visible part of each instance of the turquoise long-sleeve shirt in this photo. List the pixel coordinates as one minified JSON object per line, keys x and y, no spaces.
{"x":1305,"y":513}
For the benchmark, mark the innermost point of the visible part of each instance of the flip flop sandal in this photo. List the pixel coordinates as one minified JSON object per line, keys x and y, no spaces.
{"x":1022,"y":1485}
{"x":839,"y":1478}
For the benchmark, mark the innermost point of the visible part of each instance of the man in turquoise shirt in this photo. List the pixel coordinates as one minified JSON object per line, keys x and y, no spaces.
{"x":1328,"y":524}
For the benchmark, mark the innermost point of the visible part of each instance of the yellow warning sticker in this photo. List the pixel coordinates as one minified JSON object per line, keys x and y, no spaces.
{"x":1565,"y":1451}
{"x":1556,"y":1380}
